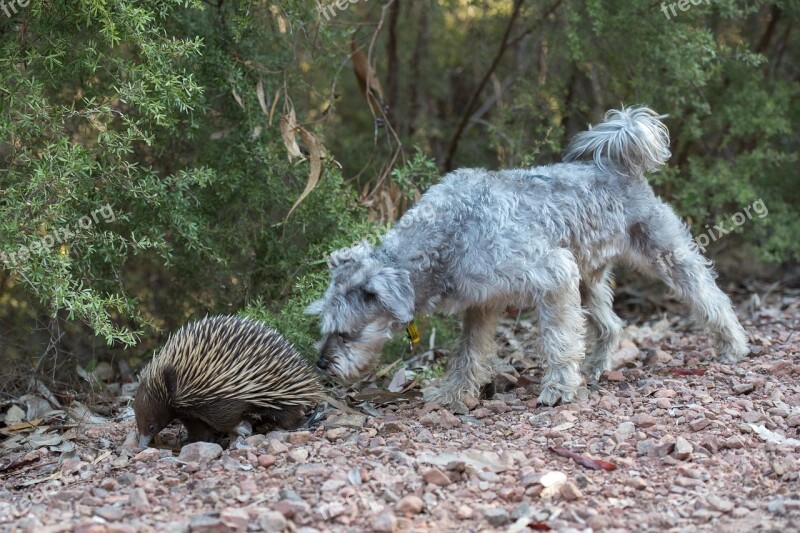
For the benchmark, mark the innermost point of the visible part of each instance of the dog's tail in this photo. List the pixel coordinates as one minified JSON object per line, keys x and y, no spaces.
{"x":630,"y":141}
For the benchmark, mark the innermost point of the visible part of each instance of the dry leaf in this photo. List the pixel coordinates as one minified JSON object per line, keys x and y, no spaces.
{"x":262,"y":100}
{"x":238,"y":98}
{"x":315,"y":150}
{"x":368,"y":81}
{"x":588,"y":462}
{"x":289,"y":133}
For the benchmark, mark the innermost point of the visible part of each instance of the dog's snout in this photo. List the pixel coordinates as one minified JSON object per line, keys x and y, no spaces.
{"x":322,"y":364}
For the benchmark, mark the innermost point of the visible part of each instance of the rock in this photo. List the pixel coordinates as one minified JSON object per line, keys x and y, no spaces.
{"x":683,"y":448}
{"x":742,"y":388}
{"x":385,"y":522}
{"x":14,"y":415}
{"x":354,"y":421}
{"x":496,"y":517}
{"x":410,"y":504}
{"x":147,"y":455}
{"x":103,"y":372}
{"x":665,"y":393}
{"x":237,"y":519}
{"x":776,"y":506}
{"x":272,"y":521}
{"x":627,"y":354}
{"x":110,"y":513}
{"x":291,"y":508}
{"x":636,"y":482}
{"x":266,"y":460}
{"x":570,"y":491}
{"x":793,"y":420}
{"x":624,"y":431}
{"x":276,"y":447}
{"x":207,"y":524}
{"x":699,"y":423}
{"x":334,"y":434}
{"x":199,"y":451}
{"x":645,"y":421}
{"x":299,"y":455}
{"x":552,"y":483}
{"x":138,"y":500}
{"x":719,"y":504}
{"x":435,"y":476}
{"x":464,"y":512}
{"x":615,"y":375}
{"x":471,"y":402}
{"x":299,"y":437}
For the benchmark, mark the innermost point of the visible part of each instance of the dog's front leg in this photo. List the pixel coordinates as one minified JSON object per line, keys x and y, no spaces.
{"x":472,"y":365}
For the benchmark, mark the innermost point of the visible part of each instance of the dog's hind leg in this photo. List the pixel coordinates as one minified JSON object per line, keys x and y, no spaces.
{"x":603,"y":326}
{"x":472,"y":365}
{"x":561,"y":326}
{"x":663,"y":246}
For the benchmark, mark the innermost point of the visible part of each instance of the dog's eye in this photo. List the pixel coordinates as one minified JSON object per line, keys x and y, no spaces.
{"x":343,"y":337}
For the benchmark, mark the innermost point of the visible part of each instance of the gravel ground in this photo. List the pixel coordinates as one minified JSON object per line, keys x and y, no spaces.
{"x":670,"y":441}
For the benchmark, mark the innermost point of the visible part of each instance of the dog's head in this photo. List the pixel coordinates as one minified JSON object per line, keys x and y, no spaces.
{"x":366,"y":302}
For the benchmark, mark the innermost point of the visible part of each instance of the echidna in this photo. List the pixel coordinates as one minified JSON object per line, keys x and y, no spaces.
{"x":219,"y":371}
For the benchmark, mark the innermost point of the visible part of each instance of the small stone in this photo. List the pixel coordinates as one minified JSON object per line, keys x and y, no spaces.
{"x":720,"y":504}
{"x":109,"y":513}
{"x":299,"y":455}
{"x":435,"y":476}
{"x":299,"y":437}
{"x":496,"y":517}
{"x":354,"y":421}
{"x":552,"y":483}
{"x":234,"y":518}
{"x":385,"y":522}
{"x":636,"y":482}
{"x":138,"y":500}
{"x":665,"y":393}
{"x":793,"y":420}
{"x":271,"y":521}
{"x":471,"y":402}
{"x":624,"y":431}
{"x":615,"y":375}
{"x":571,"y":492}
{"x":776,"y":506}
{"x":683,"y":448}
{"x":627,"y":354}
{"x":464,"y":512}
{"x":645,"y":420}
{"x":336,"y":433}
{"x":699,"y":423}
{"x":291,"y":508}
{"x":147,"y":455}
{"x":196,"y":452}
{"x":410,"y":504}
{"x":266,"y":460}
{"x":742,"y":388}
{"x":276,"y":447}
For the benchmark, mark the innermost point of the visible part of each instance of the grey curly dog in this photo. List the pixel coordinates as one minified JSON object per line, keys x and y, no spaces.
{"x":543,"y":238}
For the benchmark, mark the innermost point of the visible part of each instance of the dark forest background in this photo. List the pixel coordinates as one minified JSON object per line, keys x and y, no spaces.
{"x":165,"y":159}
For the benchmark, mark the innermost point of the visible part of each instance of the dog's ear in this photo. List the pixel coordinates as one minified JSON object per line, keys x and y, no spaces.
{"x":315,"y":308}
{"x":392,"y":287}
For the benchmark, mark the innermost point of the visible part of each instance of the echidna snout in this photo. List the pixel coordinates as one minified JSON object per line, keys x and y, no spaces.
{"x":214,"y":373}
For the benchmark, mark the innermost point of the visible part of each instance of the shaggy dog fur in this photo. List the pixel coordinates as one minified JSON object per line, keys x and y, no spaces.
{"x":544,"y":238}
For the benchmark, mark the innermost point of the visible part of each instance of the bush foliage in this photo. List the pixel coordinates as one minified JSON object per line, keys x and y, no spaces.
{"x":184,"y":132}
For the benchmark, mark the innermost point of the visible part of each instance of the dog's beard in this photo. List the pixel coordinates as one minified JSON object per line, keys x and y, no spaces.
{"x":349,"y":362}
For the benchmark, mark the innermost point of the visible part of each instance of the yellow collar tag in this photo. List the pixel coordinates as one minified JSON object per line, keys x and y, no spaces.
{"x":413,"y":333}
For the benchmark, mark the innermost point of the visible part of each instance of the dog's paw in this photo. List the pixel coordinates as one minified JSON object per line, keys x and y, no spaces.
{"x":552,"y":395}
{"x":444,"y":396}
{"x":731,"y":355}
{"x":594,"y":371}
